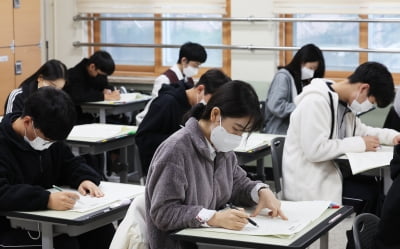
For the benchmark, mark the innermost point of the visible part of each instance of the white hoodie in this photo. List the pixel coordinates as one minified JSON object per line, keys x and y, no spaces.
{"x":308,"y":170}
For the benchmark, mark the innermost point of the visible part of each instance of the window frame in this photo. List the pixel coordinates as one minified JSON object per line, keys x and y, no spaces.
{"x":286,"y":40}
{"x":94,"y":35}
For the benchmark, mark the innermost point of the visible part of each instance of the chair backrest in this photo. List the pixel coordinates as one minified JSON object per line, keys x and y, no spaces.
{"x":276,"y":157}
{"x":365,"y":228}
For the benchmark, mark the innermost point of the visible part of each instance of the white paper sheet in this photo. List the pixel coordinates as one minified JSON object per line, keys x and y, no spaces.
{"x":360,"y":162}
{"x":125,"y":98}
{"x":300,"y":214}
{"x":113,"y":194}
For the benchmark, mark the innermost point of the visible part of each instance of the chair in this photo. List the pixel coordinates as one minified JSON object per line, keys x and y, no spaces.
{"x":365,"y":228}
{"x":276,"y":157}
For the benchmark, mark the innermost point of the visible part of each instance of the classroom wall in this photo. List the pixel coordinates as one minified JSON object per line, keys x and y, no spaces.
{"x":256,"y":67}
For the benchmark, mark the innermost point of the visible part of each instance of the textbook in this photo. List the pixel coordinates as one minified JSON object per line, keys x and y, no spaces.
{"x":255,"y":142}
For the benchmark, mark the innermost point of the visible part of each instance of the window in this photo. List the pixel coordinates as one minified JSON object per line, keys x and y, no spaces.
{"x":154,"y":61}
{"x":346,"y":35}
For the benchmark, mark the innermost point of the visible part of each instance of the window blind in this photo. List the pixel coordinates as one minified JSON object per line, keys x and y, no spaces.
{"x":336,"y":6}
{"x":152,"y":6}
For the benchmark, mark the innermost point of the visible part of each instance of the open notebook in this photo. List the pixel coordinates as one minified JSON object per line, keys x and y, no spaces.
{"x":255,"y":142}
{"x":299,"y":213}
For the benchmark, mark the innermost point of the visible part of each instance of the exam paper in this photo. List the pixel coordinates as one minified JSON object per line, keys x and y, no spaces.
{"x":113,"y":193}
{"x":364,"y":161}
{"x":299,"y":213}
{"x":97,"y":132}
{"x":125,"y":98}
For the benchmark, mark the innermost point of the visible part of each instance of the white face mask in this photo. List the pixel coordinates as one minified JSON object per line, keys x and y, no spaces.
{"x":190,"y":71}
{"x":357,"y":107}
{"x":222,"y":140}
{"x":306,"y":73}
{"x":38,"y":143}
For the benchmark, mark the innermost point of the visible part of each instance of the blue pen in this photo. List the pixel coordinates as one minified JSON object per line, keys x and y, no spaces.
{"x":230,"y":205}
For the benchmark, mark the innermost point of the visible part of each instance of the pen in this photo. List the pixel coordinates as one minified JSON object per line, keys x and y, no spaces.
{"x":230,"y":205}
{"x":58,"y":188}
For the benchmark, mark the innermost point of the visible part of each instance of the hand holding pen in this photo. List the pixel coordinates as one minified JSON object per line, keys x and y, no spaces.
{"x":62,"y":200}
{"x":234,"y":219}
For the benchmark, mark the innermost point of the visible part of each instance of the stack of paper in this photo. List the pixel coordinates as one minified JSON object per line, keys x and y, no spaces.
{"x":98,"y":132}
{"x":299,"y":213}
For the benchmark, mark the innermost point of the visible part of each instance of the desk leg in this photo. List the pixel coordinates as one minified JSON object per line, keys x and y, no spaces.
{"x":47,"y":236}
{"x":260,"y":169}
{"x":387,"y":180}
{"x":324,"y":241}
{"x":123,"y":155}
{"x":102,"y":117}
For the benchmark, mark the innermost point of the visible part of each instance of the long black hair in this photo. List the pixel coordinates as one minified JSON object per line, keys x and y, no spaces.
{"x":235,"y":99}
{"x":307,"y":53}
{"x":51,"y":70}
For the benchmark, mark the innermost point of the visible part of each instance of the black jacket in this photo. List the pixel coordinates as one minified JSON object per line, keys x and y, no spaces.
{"x":84,"y":88}
{"x":15,"y":100}
{"x":163,"y":118}
{"x":388,"y":234}
{"x":25,"y":173}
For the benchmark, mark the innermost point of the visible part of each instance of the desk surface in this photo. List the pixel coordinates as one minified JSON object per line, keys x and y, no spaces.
{"x":303,"y":239}
{"x":126,"y":98}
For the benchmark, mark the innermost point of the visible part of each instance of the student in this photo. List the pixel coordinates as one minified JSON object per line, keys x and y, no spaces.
{"x":324,"y":126}
{"x":87,"y":81}
{"x":191,"y":56}
{"x":388,"y":236}
{"x":166,"y":112}
{"x":195,"y":173}
{"x":33,"y":157}
{"x":288,"y":82}
{"x":52,"y":73}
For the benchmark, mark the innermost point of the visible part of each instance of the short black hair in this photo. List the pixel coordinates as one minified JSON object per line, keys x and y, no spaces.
{"x":379,"y":79}
{"x":235,"y":99}
{"x":212,"y":80}
{"x":193,"y":52}
{"x":52,"y":112}
{"x":103,"y":61}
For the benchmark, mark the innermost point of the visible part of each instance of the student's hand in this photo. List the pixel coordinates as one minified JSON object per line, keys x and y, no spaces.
{"x":229,"y":218}
{"x":88,"y":187}
{"x":114,"y":95}
{"x":62,"y":200}
{"x":107,"y":91}
{"x":396,"y":140}
{"x":268,"y":200}
{"x":371,"y":143}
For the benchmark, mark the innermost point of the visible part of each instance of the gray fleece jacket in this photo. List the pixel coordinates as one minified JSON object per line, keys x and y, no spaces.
{"x":182,"y":180}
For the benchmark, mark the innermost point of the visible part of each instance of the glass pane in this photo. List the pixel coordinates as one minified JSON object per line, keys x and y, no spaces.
{"x":140,"y":32}
{"x":202,"y":32}
{"x":330,"y":35}
{"x":385,"y":35}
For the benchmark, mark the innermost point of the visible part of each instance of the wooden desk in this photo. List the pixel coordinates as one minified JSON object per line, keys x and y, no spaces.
{"x":52,"y":222}
{"x":103,"y":108}
{"x":96,"y":142}
{"x":317,"y":230}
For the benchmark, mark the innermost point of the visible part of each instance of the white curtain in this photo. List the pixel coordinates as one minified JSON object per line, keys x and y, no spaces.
{"x":152,"y":6}
{"x":336,"y":6}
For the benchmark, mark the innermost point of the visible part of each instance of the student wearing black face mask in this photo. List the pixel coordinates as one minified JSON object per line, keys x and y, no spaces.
{"x":87,"y":81}
{"x":33,"y":157}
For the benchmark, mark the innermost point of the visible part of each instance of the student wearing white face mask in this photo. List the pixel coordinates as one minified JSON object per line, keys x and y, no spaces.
{"x":33,"y":157}
{"x":195,"y":173}
{"x":191,"y":56}
{"x":288,"y":82}
{"x":167,"y":110}
{"x":324,"y":125}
